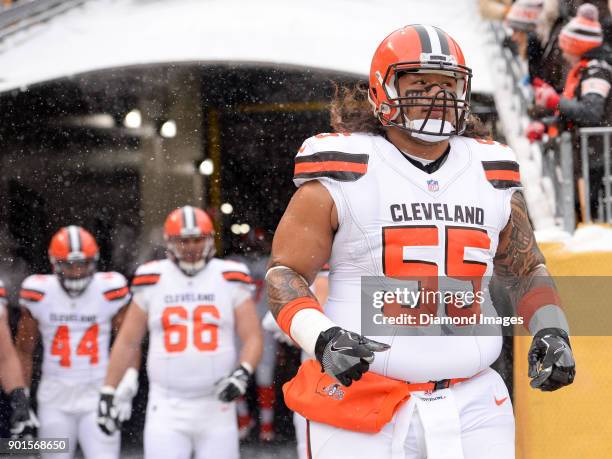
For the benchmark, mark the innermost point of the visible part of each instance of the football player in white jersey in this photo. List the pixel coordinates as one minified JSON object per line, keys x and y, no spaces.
{"x":192,"y":305}
{"x":409,"y":193}
{"x":22,"y":419}
{"x":74,"y":311}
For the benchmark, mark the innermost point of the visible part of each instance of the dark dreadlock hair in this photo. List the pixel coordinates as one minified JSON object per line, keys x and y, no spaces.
{"x":350,"y":111}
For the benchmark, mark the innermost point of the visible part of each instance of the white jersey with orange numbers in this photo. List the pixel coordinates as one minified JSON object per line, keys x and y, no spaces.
{"x":191,"y":323}
{"x":75,"y":331}
{"x":396,"y":220}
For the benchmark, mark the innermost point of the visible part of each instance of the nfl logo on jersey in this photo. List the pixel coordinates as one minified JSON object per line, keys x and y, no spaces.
{"x":432,"y":185}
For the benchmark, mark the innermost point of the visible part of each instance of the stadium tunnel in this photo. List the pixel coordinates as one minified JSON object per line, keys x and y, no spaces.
{"x":118,"y":149}
{"x":116,"y":145}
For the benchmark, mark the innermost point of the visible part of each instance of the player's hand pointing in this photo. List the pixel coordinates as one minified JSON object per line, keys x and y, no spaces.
{"x":345,"y":355}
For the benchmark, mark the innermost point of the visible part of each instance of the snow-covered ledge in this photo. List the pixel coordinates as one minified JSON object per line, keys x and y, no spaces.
{"x":539,"y":191}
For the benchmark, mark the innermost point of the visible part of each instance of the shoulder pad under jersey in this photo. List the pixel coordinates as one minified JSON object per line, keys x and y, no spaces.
{"x":147,"y":274}
{"x":340,"y":157}
{"x":499,"y":162}
{"x":233,"y":271}
{"x":33,"y":288}
{"x":114,"y":285}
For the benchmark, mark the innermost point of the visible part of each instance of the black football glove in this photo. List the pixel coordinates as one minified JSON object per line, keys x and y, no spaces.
{"x":551,"y":362}
{"x":23,"y":420}
{"x":345,"y":355}
{"x":233,"y":386}
{"x":108,"y":416}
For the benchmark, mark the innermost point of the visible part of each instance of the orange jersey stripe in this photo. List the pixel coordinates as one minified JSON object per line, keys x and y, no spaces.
{"x":237,"y":276}
{"x":117,"y":293}
{"x":330,"y":166}
{"x":503,"y":175}
{"x":146,"y":279}
{"x":31,"y":295}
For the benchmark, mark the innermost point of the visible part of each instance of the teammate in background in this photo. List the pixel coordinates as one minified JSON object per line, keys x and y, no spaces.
{"x":408,"y":193}
{"x":255,"y":255}
{"x":319,"y":288}
{"x":74,"y":311}
{"x":22,"y":420}
{"x":192,"y":305}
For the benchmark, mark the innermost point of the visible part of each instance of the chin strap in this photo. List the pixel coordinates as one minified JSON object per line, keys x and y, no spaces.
{"x":442,"y":131}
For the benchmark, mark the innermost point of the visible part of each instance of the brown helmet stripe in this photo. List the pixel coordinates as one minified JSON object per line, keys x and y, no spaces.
{"x":189,"y":219}
{"x":423,"y":38}
{"x":74,"y":238}
{"x":444,"y":46}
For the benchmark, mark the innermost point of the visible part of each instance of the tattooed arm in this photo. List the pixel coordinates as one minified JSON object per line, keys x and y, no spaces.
{"x":519,"y":268}
{"x":302,"y":245}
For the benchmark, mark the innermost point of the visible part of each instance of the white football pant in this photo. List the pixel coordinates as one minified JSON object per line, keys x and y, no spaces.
{"x":471,"y":420}
{"x":177,"y":427}
{"x":80,"y":428}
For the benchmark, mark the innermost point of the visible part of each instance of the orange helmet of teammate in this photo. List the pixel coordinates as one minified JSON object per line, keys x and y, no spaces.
{"x":74,"y":253}
{"x":189,"y":236}
{"x":420,"y":49}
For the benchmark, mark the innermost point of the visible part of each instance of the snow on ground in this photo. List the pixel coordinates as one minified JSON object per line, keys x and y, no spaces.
{"x":587,"y":238}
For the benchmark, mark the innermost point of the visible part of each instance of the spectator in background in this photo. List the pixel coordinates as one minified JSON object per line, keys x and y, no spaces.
{"x":586,"y":98}
{"x":522,"y":18}
{"x":555,"y":14}
{"x":494,"y":10}
{"x":545,"y":48}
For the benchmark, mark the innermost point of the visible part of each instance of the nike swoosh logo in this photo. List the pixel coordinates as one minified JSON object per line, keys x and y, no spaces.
{"x":561,"y":349}
{"x":499,"y":402}
{"x":341,"y":348}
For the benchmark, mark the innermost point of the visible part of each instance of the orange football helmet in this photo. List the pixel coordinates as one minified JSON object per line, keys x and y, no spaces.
{"x":419,"y":49}
{"x":189,"y":236}
{"x":74,"y":253}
